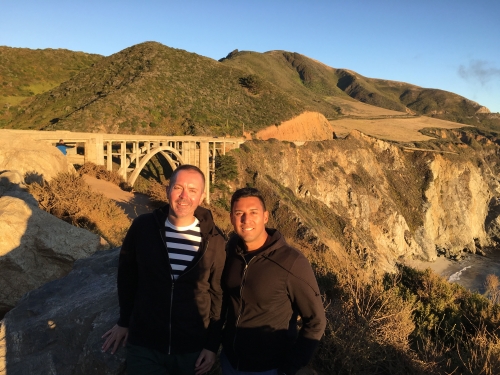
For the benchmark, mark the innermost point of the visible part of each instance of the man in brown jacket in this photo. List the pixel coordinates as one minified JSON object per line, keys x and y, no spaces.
{"x":267,"y":284}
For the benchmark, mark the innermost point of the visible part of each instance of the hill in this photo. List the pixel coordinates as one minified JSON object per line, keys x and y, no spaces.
{"x":297,"y":73}
{"x":25,"y":73}
{"x":150,"y":88}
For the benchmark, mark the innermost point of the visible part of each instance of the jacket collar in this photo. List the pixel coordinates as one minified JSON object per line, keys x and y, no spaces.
{"x":277,"y":240}
{"x":204,"y":216}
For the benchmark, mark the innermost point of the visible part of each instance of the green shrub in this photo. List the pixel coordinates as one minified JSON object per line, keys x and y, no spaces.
{"x":226,"y":168}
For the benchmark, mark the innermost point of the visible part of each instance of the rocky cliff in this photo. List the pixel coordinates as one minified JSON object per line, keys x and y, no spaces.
{"x":384,"y":201}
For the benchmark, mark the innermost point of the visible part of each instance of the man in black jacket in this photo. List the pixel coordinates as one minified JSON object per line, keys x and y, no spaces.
{"x":267,"y":285}
{"x":169,"y":289}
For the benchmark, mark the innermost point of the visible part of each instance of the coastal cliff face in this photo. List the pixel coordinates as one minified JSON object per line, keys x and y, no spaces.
{"x":381,"y":200}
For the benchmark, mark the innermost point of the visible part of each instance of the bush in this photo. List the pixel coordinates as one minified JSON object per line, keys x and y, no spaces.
{"x":226,"y":168}
{"x":368,"y":327}
{"x":408,"y":322}
{"x":454,"y":327}
{"x":252,"y":82}
{"x":100,"y":172}
{"x":69,"y":198}
{"x":157,"y":193}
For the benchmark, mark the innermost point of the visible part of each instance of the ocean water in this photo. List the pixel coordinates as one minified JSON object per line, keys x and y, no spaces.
{"x":471,"y":271}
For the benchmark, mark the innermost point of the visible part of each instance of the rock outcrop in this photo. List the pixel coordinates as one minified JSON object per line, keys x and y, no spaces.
{"x":22,"y":154}
{"x":57,"y":328}
{"x":35,"y":247}
{"x":308,"y":126}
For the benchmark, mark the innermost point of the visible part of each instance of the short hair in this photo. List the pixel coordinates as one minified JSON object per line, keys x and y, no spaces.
{"x":187,"y":167}
{"x":245,"y":193}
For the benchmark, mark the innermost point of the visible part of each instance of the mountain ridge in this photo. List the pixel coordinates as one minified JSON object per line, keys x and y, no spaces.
{"x":150,"y":88}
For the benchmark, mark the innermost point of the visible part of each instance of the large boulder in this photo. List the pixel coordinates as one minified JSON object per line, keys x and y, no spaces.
{"x":57,"y":328}
{"x":25,"y":155}
{"x":35,"y":247}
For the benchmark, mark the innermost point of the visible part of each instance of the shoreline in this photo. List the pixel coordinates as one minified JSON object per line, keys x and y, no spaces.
{"x":470,"y":272}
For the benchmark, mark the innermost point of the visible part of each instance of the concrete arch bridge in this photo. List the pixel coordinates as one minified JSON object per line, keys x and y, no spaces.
{"x":134,"y":151}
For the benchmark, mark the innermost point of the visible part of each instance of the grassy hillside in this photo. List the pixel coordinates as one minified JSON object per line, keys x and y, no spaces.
{"x":150,"y":88}
{"x":153,"y":89}
{"x":318,"y":85}
{"x":25,"y":72}
{"x":298,"y":75}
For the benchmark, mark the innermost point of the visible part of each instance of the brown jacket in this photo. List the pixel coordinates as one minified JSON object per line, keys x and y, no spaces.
{"x":263,"y":299}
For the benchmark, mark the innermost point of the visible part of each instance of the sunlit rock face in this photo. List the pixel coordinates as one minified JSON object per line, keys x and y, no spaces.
{"x":35,"y":247}
{"x":25,"y":155}
{"x":381,"y":200}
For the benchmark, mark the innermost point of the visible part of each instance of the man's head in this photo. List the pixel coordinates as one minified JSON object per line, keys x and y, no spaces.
{"x":249,"y":217}
{"x":185,"y":193}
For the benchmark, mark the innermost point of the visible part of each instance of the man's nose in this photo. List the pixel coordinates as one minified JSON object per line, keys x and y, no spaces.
{"x":184,"y":193}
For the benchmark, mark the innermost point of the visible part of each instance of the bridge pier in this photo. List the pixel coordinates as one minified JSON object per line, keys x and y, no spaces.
{"x":94,"y":150}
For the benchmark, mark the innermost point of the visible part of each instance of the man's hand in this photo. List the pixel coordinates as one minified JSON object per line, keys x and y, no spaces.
{"x":204,"y":362}
{"x":113,"y":338}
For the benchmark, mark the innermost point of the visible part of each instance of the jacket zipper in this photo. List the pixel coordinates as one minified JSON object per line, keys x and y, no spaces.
{"x":170,"y":317}
{"x":173,"y":286}
{"x":240,"y":311}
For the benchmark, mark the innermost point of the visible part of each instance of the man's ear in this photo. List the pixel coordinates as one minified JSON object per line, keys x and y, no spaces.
{"x":266,"y":216}
{"x":203,"y":195}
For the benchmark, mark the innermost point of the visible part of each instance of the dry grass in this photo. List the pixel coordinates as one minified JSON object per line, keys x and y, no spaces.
{"x":100,"y":172}
{"x":157,"y":193}
{"x":369,"y":326}
{"x":69,"y":198}
{"x":492,"y":288}
{"x":378,"y":326}
{"x":352,"y":107}
{"x":392,"y":129}
{"x":479,"y":352}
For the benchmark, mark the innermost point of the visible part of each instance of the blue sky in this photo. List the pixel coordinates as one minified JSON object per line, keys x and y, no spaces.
{"x":452,"y":45}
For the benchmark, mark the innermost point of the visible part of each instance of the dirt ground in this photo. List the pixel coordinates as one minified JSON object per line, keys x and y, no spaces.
{"x":134,"y":204}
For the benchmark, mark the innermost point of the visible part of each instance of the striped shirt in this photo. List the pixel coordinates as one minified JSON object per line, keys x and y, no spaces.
{"x":182,"y":244}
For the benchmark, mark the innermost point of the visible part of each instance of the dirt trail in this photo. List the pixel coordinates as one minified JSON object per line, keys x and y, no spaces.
{"x":134,"y":204}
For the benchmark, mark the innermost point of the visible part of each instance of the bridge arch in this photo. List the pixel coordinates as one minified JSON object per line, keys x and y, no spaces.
{"x":173,"y":157}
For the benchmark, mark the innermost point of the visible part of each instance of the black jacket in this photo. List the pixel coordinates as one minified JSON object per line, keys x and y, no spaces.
{"x":172,"y":317}
{"x":263,"y":299}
